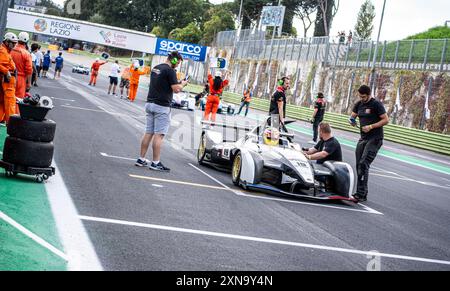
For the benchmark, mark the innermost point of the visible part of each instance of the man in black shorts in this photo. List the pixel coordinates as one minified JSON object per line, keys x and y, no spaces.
{"x":327,"y":149}
{"x":372,"y":117}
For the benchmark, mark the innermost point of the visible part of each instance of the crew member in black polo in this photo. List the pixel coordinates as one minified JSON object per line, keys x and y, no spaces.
{"x":372,"y":117}
{"x":327,"y":149}
{"x":318,"y":115}
{"x":278,"y":100}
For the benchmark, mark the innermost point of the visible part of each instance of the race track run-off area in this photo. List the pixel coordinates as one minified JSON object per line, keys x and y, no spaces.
{"x":100,"y":212}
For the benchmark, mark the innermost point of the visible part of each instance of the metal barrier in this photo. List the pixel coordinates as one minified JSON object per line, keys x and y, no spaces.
{"x":431,"y":55}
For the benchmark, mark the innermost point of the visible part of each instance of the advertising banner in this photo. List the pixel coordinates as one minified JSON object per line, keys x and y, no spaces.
{"x":80,"y":30}
{"x":187,"y":50}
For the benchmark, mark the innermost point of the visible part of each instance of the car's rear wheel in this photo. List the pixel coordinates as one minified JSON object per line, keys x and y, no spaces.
{"x":201,"y":153}
{"x":236,"y":169}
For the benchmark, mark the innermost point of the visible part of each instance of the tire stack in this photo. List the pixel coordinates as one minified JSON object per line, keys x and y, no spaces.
{"x":30,"y":142}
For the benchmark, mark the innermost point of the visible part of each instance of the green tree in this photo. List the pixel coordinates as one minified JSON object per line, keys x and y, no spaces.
{"x":364,"y":24}
{"x":191,"y":33}
{"x":97,"y":18}
{"x":159,"y":31}
{"x":326,"y":10}
{"x":220,"y":21}
{"x":180,"y":13}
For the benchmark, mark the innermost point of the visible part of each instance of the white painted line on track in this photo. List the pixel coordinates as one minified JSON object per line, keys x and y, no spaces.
{"x":240,"y":193}
{"x":68,"y":100}
{"x":116,"y":157}
{"x":94,"y":110}
{"x":263,"y":240}
{"x":78,"y":246}
{"x":411,"y":180}
{"x":33,"y":236}
{"x":177,"y":182}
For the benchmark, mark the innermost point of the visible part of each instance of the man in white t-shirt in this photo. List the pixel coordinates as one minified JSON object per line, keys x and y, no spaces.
{"x":39,"y":61}
{"x":114,"y":77}
{"x":34,"y":60}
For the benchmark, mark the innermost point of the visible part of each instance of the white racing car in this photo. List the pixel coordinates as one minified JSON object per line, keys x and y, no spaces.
{"x":80,"y":69}
{"x":267,"y":160}
{"x":183,"y":100}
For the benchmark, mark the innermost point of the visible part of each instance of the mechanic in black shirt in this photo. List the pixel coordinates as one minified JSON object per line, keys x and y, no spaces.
{"x":327,"y":149}
{"x":319,"y":114}
{"x":372,"y":117}
{"x":163,"y":83}
{"x":278,"y":100}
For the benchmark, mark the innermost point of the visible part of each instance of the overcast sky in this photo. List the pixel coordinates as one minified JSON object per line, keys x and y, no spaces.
{"x":402,"y":18}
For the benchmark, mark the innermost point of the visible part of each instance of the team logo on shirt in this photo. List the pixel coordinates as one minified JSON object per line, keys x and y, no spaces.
{"x":368,"y":111}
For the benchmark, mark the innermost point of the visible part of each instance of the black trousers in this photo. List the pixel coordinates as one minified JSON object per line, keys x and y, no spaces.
{"x":316,"y":124}
{"x":366,"y":152}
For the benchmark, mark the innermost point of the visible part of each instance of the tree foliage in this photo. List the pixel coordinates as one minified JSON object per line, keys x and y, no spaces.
{"x":364,"y":24}
{"x":221,"y":20}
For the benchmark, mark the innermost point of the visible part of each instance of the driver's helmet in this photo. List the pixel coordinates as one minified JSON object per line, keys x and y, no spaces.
{"x":271,"y":136}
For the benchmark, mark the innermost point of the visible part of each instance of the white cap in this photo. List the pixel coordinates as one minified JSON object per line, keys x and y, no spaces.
{"x":218,"y":74}
{"x":97,"y":59}
{"x":11,"y":37}
{"x":24,"y":36}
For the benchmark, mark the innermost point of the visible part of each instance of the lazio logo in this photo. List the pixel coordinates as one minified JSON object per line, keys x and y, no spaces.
{"x":40,"y":25}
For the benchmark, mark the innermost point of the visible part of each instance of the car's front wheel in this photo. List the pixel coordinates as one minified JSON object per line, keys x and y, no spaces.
{"x":236,"y":169}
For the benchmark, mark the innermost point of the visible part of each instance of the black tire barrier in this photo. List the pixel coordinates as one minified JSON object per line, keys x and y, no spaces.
{"x":40,"y":131}
{"x":28,"y":153}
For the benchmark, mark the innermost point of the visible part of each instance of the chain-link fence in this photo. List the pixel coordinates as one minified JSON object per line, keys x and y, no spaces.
{"x":431,"y":55}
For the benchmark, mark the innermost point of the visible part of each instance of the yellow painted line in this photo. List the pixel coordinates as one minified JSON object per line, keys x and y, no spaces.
{"x":178,"y":182}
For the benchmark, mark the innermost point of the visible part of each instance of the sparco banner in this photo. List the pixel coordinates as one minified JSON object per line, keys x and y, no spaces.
{"x":80,"y":30}
{"x":187,"y":50}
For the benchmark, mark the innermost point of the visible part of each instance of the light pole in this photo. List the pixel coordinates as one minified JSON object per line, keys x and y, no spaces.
{"x":376,"y":46}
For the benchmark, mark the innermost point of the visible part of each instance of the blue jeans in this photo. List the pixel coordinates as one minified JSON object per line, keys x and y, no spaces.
{"x":246,"y":104}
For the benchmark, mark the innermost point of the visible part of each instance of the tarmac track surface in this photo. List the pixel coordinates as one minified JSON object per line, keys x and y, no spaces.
{"x":193,"y":218}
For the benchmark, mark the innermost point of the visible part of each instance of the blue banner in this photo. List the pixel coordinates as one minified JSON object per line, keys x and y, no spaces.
{"x":187,"y":50}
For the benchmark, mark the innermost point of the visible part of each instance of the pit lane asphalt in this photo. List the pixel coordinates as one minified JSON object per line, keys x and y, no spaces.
{"x":414,"y":219}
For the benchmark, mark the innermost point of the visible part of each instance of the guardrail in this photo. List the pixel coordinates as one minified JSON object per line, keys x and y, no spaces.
{"x":436,"y":142}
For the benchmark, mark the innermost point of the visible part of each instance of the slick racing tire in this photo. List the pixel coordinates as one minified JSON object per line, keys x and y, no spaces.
{"x":40,"y":131}
{"x":28,"y":153}
{"x":236,"y":169}
{"x":201,"y":153}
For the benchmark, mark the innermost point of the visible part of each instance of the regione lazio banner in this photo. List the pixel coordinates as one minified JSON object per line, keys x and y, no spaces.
{"x":79,"y":30}
{"x":187,"y":50}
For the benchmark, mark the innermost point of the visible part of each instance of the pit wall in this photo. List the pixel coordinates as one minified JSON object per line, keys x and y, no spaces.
{"x":340,"y":86}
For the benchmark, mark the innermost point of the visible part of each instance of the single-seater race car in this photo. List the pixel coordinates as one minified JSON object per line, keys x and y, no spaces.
{"x":80,"y":69}
{"x":267,"y":160}
{"x":183,"y":100}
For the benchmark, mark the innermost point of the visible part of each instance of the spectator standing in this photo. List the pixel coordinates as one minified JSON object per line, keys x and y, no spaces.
{"x":245,"y":101}
{"x":46,"y":63}
{"x":114,"y":78}
{"x":59,"y":64}
{"x":125,"y":81}
{"x":318,"y":115}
